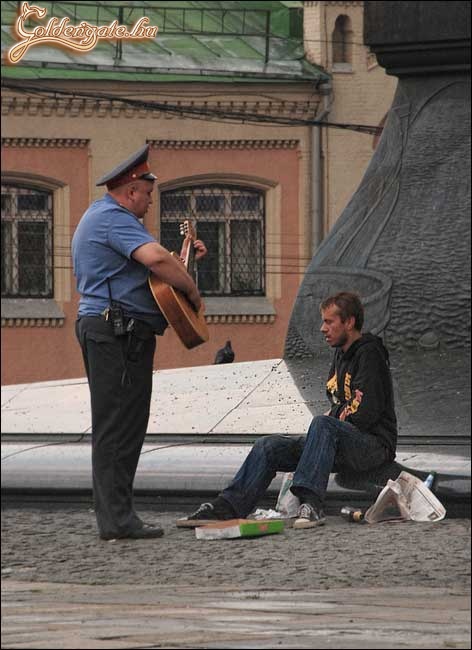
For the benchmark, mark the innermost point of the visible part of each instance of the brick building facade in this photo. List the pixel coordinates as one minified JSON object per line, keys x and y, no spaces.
{"x":263,"y":195}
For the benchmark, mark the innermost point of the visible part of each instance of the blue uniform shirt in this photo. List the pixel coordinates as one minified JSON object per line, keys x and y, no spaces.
{"x":102,"y":246}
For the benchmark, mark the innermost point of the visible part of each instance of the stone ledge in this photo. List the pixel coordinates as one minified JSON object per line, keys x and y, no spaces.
{"x":343,"y":68}
{"x":239,"y":310}
{"x":31,"y":312}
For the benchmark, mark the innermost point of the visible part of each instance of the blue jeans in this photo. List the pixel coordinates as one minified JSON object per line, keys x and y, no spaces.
{"x":330,"y":445}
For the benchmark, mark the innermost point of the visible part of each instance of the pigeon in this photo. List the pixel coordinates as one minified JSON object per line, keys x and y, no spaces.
{"x":225,"y":355}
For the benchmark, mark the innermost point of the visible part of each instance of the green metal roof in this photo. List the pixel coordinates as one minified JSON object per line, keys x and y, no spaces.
{"x":231,"y":41}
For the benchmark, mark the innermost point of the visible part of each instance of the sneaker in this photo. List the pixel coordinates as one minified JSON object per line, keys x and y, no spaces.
{"x":308,"y":517}
{"x":205,"y":514}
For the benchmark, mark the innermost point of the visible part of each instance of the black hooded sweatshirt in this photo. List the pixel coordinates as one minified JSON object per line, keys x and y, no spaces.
{"x":360,"y":381}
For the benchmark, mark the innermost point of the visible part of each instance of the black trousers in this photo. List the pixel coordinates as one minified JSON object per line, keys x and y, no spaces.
{"x":119,"y":372}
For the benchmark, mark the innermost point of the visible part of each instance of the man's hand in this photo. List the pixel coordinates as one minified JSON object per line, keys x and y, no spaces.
{"x":344,"y":413}
{"x":201,"y":249}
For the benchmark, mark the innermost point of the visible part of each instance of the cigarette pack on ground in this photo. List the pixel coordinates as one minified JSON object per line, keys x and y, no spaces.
{"x":239,"y":528}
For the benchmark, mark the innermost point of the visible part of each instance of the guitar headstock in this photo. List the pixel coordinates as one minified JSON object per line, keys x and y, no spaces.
{"x":187,"y":230}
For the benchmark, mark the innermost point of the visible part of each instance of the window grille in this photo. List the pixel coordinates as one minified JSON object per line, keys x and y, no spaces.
{"x":27,"y":221}
{"x":231,"y":222}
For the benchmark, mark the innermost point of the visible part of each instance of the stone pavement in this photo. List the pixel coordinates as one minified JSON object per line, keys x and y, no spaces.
{"x":340,"y":586}
{"x":401,"y":585}
{"x":48,"y":615}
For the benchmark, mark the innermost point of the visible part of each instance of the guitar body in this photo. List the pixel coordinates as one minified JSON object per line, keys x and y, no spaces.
{"x":189,"y":325}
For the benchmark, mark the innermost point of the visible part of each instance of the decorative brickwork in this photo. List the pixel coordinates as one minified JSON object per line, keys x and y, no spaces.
{"x":45,"y":142}
{"x":88,"y":107}
{"x":32,"y":322}
{"x":224,"y":144}
{"x":240,"y":319}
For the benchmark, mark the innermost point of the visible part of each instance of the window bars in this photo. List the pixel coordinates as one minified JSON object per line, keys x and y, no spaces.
{"x":231,"y":222}
{"x":27,"y":236}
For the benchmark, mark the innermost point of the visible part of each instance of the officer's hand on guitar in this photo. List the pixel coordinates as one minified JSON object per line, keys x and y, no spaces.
{"x":201,"y":249}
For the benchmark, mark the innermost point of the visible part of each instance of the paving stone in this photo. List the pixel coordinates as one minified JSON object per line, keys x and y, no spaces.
{"x":343,"y":585}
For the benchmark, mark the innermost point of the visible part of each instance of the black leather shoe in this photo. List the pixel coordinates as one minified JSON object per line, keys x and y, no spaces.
{"x":146,"y":532}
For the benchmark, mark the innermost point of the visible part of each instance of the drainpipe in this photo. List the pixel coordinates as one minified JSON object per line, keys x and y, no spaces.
{"x":316,"y":169}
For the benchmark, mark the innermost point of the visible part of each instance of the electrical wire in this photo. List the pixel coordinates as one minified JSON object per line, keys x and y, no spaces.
{"x":192,"y":112}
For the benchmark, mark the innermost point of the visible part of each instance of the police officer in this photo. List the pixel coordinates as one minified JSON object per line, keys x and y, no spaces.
{"x":117,"y":322}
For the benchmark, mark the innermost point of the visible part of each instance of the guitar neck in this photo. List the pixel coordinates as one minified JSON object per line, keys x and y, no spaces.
{"x":190,"y":258}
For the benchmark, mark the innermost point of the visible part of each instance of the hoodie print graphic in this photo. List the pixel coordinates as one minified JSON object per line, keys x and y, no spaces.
{"x":351,"y":403}
{"x":332,"y":388}
{"x":360,"y":390}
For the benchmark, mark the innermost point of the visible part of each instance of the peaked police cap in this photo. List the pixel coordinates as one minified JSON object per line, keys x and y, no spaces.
{"x":134,"y":168}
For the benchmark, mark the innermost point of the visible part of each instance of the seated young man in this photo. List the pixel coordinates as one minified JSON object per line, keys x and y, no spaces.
{"x":359,"y":432}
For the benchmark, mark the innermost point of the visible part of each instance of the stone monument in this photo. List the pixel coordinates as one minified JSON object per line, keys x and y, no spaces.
{"x":403,"y":241}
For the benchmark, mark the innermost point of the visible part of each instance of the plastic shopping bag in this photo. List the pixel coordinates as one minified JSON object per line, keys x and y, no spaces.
{"x":287,"y":502}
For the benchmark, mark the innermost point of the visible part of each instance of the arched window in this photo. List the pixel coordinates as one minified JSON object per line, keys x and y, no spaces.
{"x":27,"y":242}
{"x":342,"y":40}
{"x":231,"y":221}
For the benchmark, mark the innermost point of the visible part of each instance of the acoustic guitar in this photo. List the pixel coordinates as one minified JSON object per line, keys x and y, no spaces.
{"x":179,"y":312}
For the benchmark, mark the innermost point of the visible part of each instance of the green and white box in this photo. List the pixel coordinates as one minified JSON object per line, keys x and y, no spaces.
{"x":234,"y":528}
